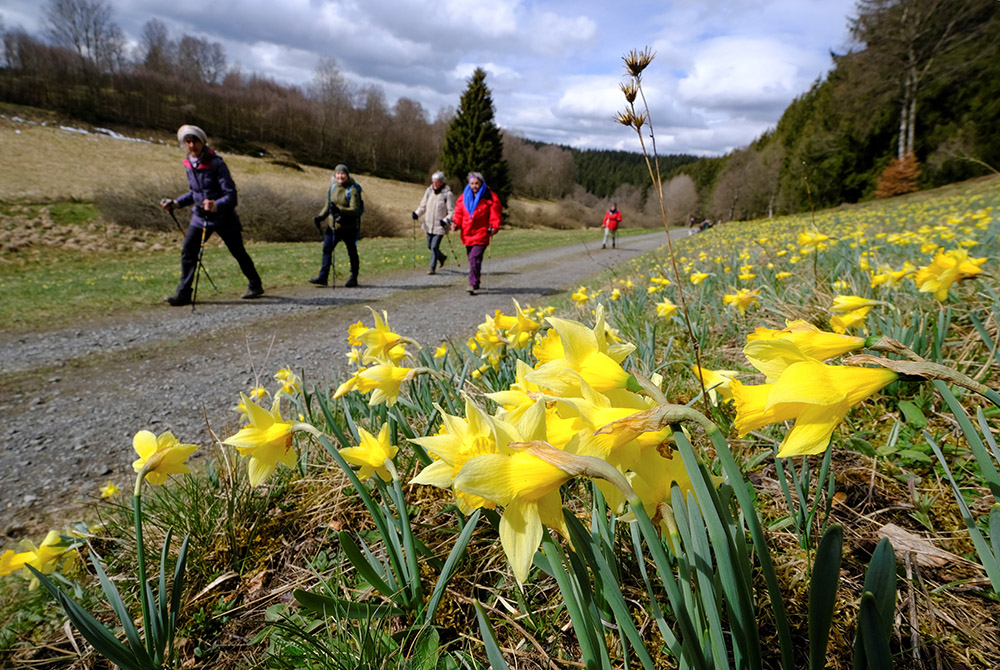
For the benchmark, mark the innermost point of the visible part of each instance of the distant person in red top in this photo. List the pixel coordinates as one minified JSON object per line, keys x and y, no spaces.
{"x":612,"y":219}
{"x":477,"y":215}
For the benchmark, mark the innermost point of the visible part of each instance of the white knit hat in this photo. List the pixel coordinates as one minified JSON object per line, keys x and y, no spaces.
{"x":186,"y":130}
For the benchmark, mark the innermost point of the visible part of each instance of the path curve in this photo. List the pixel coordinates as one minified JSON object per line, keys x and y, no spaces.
{"x":73,"y":398}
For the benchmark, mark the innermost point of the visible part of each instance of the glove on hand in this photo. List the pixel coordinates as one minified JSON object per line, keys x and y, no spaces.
{"x":491,"y":231}
{"x":414,"y":215}
{"x":318,"y":222}
{"x":444,"y":224}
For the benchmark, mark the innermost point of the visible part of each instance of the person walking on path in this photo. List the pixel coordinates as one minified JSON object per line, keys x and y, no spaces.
{"x":612,"y":219}
{"x":477,"y":215}
{"x":438,"y":208}
{"x":213,"y":195}
{"x":344,"y":206}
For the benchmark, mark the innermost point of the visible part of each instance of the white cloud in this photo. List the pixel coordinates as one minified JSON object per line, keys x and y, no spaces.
{"x":724,"y":71}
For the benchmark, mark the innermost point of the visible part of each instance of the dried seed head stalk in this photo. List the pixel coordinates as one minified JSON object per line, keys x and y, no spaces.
{"x":637,"y":61}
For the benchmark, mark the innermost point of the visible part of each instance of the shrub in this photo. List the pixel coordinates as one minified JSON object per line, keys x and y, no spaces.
{"x":268,"y":215}
{"x":899,"y":177}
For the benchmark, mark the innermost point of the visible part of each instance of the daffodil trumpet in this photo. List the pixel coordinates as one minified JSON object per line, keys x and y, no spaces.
{"x":577,"y":465}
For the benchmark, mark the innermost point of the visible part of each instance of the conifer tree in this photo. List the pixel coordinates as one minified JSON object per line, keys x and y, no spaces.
{"x":473,"y":142}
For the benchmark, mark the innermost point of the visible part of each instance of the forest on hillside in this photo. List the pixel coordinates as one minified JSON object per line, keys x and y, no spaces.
{"x":81,"y":66}
{"x":921,"y":81}
{"x":915,"y":103}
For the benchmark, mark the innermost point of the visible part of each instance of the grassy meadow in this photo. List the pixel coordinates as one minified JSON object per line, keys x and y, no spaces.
{"x":567,"y":489}
{"x":62,"y":258}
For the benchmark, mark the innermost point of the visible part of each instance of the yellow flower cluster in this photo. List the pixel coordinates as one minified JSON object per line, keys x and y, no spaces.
{"x":801,"y":387}
{"x":378,"y":372}
{"x":547,"y":426}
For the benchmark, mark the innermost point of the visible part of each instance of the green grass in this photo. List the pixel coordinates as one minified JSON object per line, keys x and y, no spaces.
{"x":62,"y":287}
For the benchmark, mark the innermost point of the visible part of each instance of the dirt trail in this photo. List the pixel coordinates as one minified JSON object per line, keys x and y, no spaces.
{"x":73,"y":398}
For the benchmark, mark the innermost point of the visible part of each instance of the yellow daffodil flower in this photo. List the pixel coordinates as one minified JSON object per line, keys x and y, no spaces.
{"x":110,"y":490}
{"x":665,"y":309}
{"x":842,"y":304}
{"x":616,"y":294}
{"x":743,"y":299}
{"x":522,"y":332}
{"x":528,"y":489}
{"x":892,"y":278}
{"x":841,"y":323}
{"x":290,"y":382}
{"x":161,"y":455}
{"x":716,"y":382}
{"x":267,"y":441}
{"x":781,"y":276}
{"x":441,"y":351}
{"x":580,"y":295}
{"x":44,"y":558}
{"x":371,"y":455}
{"x":805,"y":340}
{"x":946,"y":269}
{"x":458,"y":440}
{"x":817,"y":396}
{"x":652,"y":480}
{"x":698,"y":277}
{"x":384,"y":382}
{"x":583,"y":355}
{"x":258,"y":393}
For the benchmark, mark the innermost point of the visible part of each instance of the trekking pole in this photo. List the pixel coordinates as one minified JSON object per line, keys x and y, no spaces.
{"x":197,"y":274}
{"x":201,"y":266}
{"x":413,"y":234}
{"x":451,"y":248}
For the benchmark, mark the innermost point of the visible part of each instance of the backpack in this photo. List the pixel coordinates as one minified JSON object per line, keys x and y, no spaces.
{"x":361,"y":209}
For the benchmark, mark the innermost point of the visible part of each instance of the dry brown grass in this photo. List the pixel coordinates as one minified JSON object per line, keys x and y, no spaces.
{"x":46,"y":164}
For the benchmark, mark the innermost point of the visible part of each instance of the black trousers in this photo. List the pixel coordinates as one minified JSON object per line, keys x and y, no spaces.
{"x":232,"y":236}
{"x":331,"y":236}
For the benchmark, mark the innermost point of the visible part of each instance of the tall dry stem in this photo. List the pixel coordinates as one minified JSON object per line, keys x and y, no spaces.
{"x":635,"y":63}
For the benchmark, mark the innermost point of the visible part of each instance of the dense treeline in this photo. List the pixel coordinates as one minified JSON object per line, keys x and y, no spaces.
{"x":923,"y":79}
{"x":325,"y":123}
{"x":81,"y":67}
{"x":602,"y":171}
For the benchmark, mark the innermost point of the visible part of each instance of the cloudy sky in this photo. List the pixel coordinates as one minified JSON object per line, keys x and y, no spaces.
{"x":724,"y":69}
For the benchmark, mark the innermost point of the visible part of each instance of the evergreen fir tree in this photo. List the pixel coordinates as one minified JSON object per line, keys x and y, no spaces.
{"x":473,"y":142}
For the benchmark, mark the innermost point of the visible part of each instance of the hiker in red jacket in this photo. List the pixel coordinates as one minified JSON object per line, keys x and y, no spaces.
{"x":612,"y":219}
{"x":477,"y":215}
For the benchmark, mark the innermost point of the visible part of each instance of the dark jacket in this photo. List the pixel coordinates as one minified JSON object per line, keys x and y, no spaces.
{"x":210,"y":180}
{"x":344,"y":204}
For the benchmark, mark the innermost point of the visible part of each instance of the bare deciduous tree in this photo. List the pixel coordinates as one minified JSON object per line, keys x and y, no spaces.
{"x":86,"y":27}
{"x":158,"y":52}
{"x":201,"y":60}
{"x":681,"y":199}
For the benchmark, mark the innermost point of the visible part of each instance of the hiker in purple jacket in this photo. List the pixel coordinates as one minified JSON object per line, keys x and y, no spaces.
{"x":213,"y":195}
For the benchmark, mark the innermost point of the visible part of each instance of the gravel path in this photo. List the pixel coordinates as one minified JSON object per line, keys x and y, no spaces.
{"x":74,"y":398}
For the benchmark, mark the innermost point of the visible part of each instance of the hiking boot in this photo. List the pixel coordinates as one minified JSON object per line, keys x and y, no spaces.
{"x":442,"y":260}
{"x":252,"y":293}
{"x":351,"y":282}
{"x":604,"y":246}
{"x":432,"y":271}
{"x":318,"y":281}
{"x":177,"y":300}
{"x":471,"y":290}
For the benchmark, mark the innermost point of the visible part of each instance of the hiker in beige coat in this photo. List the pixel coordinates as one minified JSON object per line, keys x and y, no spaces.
{"x":437,"y":207}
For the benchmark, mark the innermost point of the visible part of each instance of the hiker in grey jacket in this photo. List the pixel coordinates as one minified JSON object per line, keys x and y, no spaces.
{"x":437,"y":207}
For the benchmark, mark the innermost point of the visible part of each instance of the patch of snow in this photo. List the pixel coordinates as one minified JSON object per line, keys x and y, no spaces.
{"x":118,"y":136}
{"x":70,"y":129}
